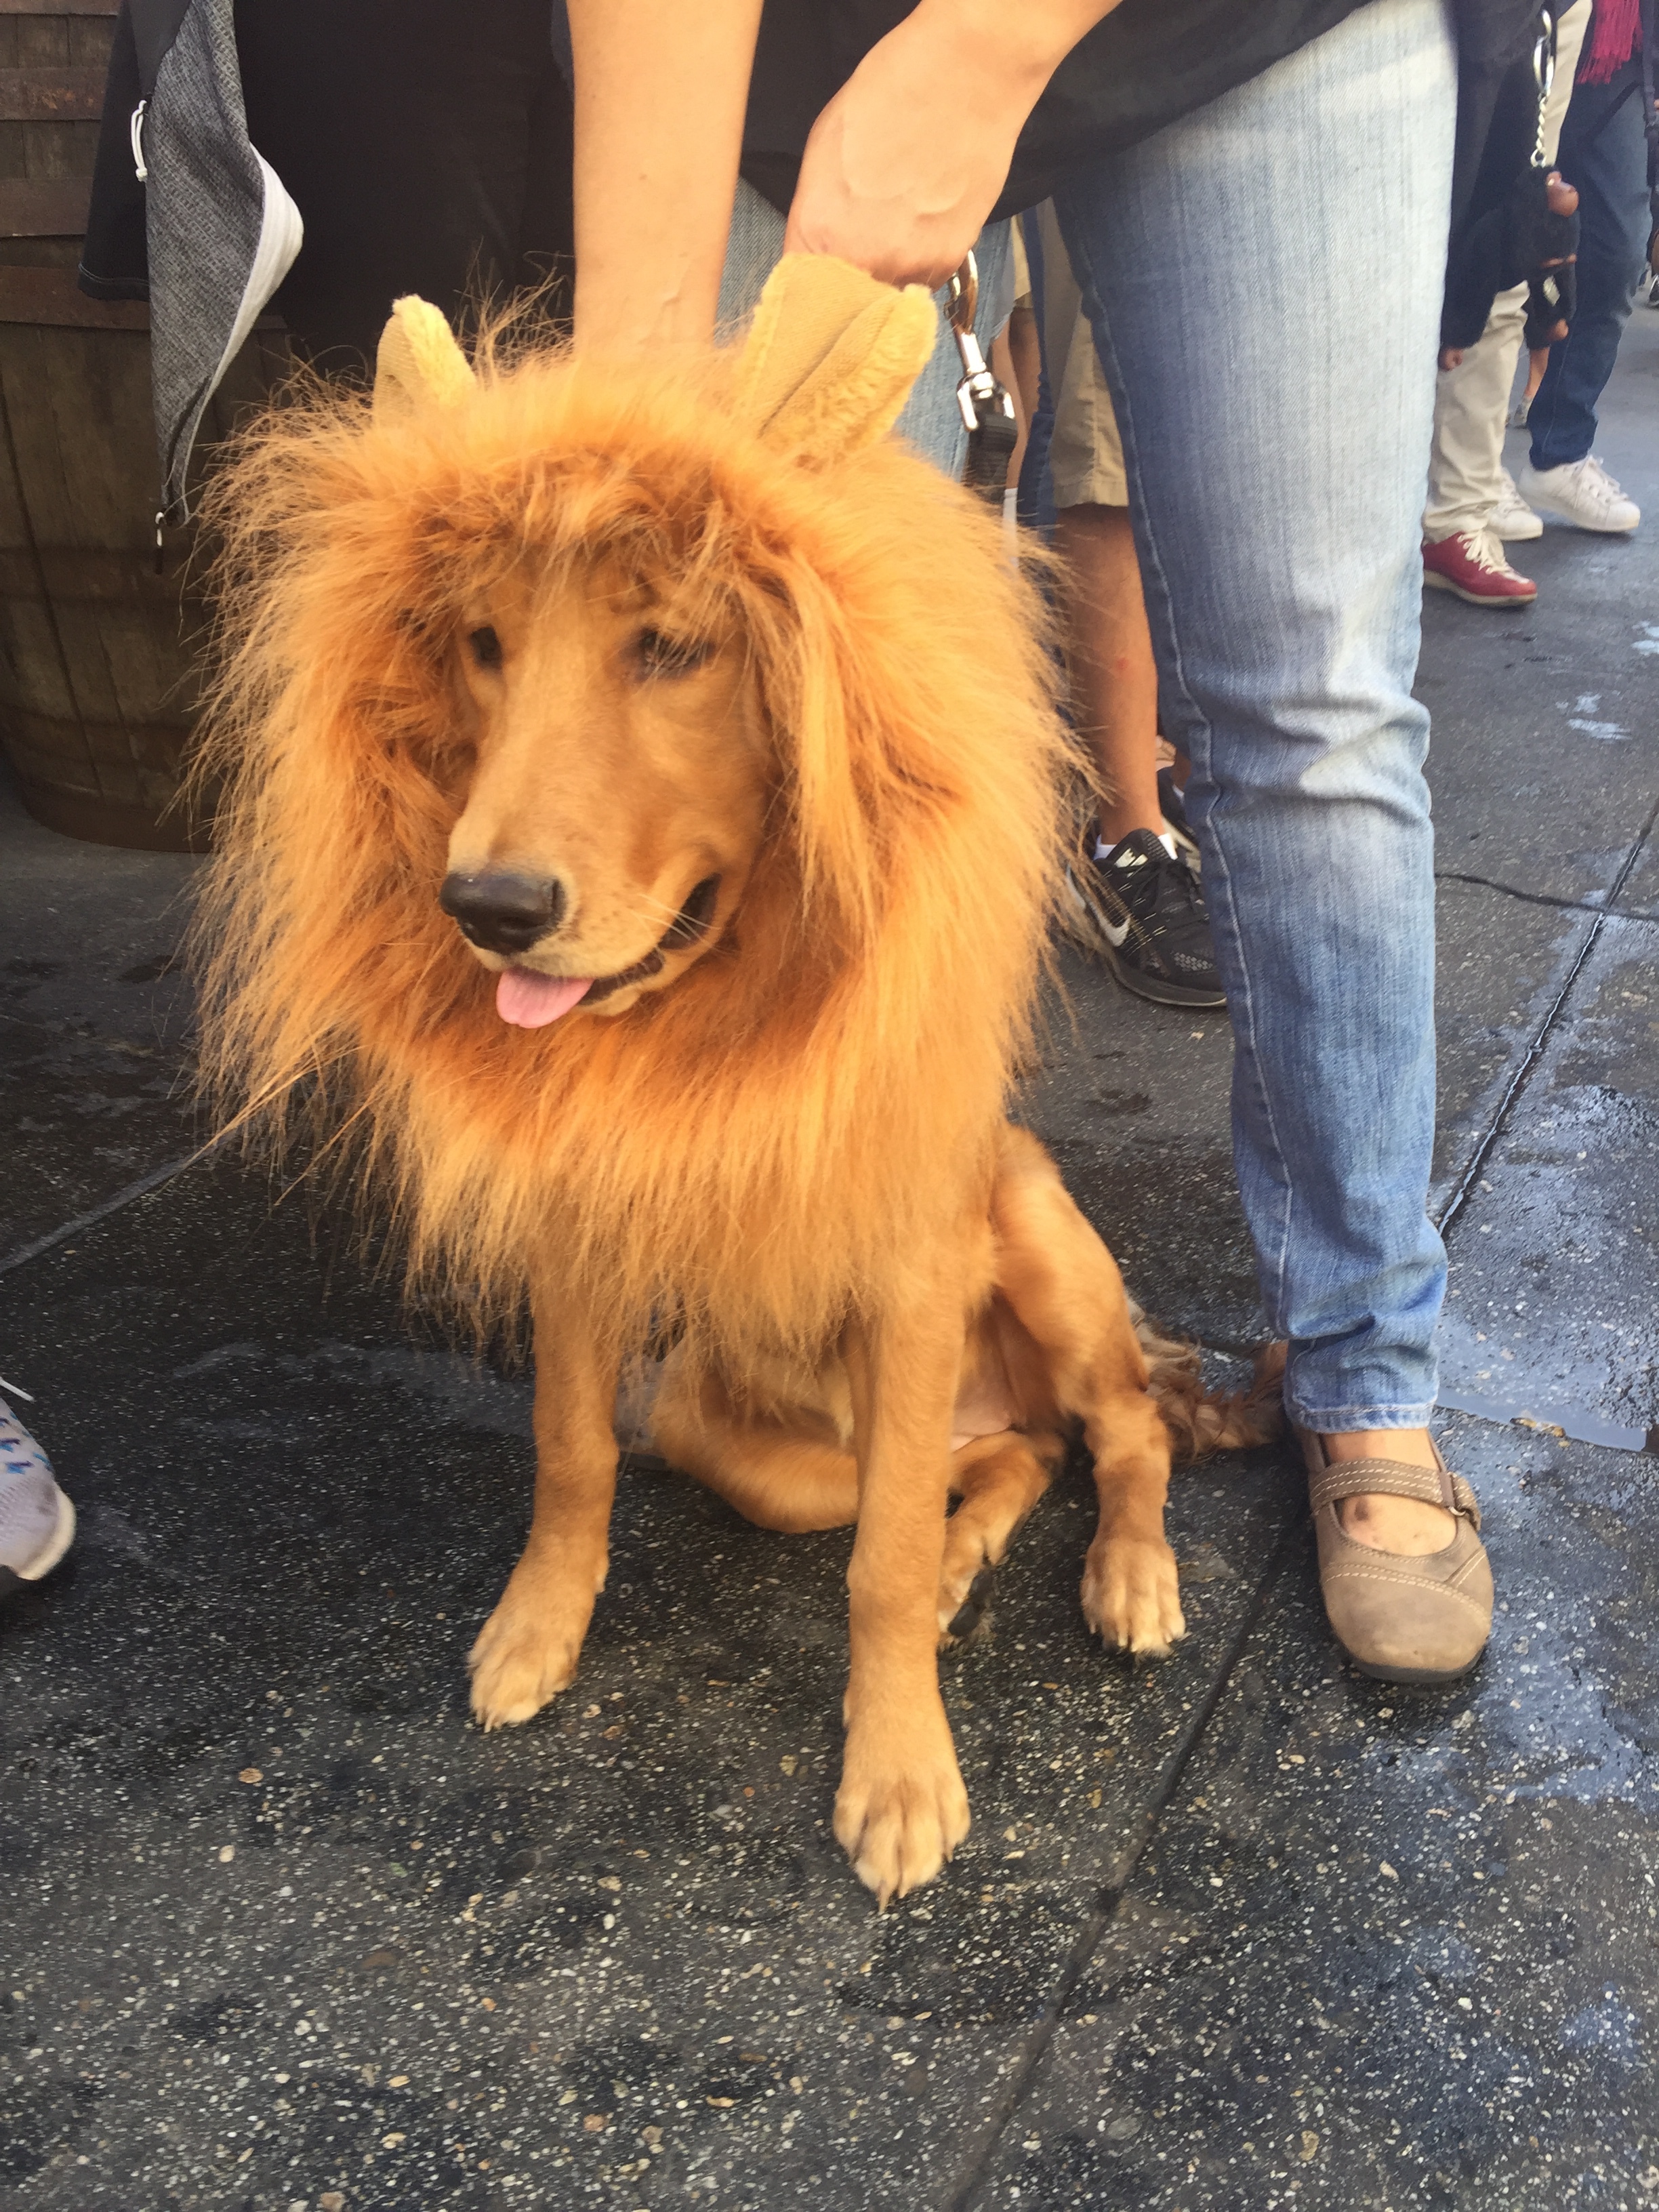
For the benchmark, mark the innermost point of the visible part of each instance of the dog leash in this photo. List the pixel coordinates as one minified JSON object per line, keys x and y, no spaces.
{"x":988,"y":409}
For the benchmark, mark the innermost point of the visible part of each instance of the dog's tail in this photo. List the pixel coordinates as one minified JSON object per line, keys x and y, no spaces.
{"x":1200,"y":1420}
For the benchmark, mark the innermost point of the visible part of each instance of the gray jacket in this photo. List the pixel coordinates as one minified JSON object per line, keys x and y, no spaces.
{"x":184,"y":208}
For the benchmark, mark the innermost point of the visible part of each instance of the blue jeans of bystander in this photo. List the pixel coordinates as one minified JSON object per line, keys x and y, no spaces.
{"x":1235,"y":268}
{"x":1604,"y":151}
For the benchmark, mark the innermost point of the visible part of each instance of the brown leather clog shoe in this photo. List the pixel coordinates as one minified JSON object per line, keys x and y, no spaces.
{"x":1417,"y":1619}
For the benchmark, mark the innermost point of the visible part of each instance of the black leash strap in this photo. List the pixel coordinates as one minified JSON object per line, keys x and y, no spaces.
{"x":987,"y":410}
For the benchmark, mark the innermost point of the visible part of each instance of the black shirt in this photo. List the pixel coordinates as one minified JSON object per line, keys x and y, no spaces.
{"x":1147,"y":64}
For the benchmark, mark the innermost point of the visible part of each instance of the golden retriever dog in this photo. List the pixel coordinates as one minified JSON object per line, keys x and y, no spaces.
{"x":646,"y":792}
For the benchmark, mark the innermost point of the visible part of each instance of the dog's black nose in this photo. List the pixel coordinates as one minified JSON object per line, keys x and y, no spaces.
{"x":502,"y":912}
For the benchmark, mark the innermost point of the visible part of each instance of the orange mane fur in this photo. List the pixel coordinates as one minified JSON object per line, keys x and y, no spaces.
{"x":755,"y":1150}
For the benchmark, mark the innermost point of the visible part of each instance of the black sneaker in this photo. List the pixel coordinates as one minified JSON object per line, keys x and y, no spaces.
{"x":1141,"y":909}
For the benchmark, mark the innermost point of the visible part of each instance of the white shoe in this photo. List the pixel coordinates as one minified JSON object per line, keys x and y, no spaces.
{"x":1512,"y":518}
{"x":1581,"y":492}
{"x":37,"y":1522}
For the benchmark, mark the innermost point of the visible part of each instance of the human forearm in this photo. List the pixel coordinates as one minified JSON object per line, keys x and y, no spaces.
{"x":660,"y":93}
{"x":905,"y":163}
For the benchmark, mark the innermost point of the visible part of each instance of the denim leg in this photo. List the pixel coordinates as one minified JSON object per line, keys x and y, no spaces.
{"x":1035,"y":502}
{"x":1604,"y":152}
{"x":1264,"y":283}
{"x":931,"y":420}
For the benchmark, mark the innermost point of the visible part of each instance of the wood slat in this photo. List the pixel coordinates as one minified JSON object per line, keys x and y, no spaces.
{"x":73,"y":574}
{"x":51,"y":296}
{"x":44,"y":207}
{"x":43,"y":96}
{"x":106,"y":822}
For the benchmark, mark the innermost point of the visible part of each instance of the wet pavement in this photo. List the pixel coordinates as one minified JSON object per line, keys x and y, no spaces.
{"x":282,"y":1930}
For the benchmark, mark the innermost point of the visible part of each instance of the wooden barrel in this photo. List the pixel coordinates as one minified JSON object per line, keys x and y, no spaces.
{"x":96,"y":646}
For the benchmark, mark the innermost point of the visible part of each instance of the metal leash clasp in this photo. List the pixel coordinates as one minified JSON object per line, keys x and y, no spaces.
{"x":978,"y":396}
{"x":987,"y":411}
{"x":1543,"y":70}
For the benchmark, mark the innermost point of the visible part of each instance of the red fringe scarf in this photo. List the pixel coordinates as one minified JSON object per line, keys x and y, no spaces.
{"x":1615,"y":31}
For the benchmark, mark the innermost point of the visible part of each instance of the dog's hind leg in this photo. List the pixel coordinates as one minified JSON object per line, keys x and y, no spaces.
{"x":778,"y":1477}
{"x":1064,"y":1290}
{"x":999,"y":1481}
{"x":528,"y":1650}
{"x":791,"y":1480}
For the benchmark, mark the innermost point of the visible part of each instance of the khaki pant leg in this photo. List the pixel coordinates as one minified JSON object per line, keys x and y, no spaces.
{"x":1471,"y":409}
{"x":1086,"y":453}
{"x":1569,"y":44}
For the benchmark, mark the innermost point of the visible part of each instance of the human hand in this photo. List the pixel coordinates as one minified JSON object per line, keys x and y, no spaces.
{"x":1546,"y":292}
{"x":907,"y":161}
{"x":1562,"y":199}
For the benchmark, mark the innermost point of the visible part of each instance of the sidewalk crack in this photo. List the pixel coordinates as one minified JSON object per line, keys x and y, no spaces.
{"x":1535,"y":1051}
{"x":960,"y":2193}
{"x":1546,"y":898}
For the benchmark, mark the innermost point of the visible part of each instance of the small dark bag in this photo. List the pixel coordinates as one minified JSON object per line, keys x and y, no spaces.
{"x":1521,"y":240}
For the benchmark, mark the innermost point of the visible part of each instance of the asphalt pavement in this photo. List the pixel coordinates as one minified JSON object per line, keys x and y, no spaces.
{"x":282,"y":1930}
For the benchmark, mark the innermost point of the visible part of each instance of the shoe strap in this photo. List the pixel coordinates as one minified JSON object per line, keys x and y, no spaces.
{"x":1392,"y":1478}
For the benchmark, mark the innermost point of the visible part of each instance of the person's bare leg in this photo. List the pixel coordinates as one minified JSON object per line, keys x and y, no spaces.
{"x":1113,"y":676}
{"x":1401,"y":1525}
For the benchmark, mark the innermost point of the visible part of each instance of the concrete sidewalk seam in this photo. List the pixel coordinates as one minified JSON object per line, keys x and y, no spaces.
{"x":959,"y":2195}
{"x":1544,"y":898}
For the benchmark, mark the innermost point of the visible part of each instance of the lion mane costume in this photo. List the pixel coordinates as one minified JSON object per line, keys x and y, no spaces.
{"x":723,"y":728}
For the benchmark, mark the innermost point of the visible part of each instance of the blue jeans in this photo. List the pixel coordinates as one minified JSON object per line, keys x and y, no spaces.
{"x":1035,"y":500}
{"x":1604,"y":152}
{"x":931,"y":420}
{"x":1263,"y":279}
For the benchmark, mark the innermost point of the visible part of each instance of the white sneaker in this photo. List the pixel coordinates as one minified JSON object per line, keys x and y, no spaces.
{"x":1512,"y":518}
{"x":37,"y":1522}
{"x":1581,"y":492}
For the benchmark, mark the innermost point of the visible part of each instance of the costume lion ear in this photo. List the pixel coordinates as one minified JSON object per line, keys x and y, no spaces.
{"x":418,"y":361}
{"x":830,"y":357}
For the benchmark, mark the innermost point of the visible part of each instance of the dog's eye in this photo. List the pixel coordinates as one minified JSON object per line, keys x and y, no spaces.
{"x":669,"y":656}
{"x":486,"y":646}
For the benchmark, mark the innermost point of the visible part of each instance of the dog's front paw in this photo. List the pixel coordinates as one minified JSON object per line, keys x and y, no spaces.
{"x":518,"y":1664}
{"x":1132,"y":1596}
{"x":527,"y":1650}
{"x":901,"y":1809}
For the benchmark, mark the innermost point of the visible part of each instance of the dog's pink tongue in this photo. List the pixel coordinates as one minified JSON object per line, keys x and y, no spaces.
{"x":531,"y":1001}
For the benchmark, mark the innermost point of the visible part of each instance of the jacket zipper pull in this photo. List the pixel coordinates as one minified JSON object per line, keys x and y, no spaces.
{"x":136,"y":131}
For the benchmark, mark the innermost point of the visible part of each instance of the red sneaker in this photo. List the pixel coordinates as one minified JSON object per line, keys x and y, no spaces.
{"x":1471,"y":563}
